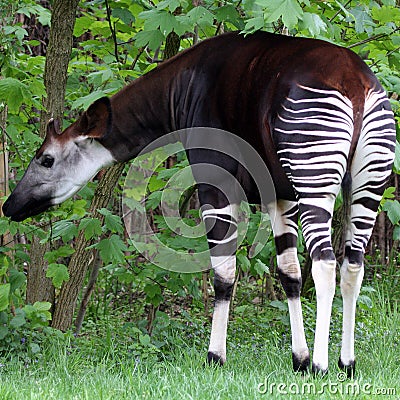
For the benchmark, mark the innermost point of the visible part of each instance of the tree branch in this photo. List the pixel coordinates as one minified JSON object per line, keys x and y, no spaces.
{"x":112,"y":29}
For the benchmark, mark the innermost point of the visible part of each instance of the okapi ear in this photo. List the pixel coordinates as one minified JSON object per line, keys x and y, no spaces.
{"x":53,"y":127}
{"x":96,"y":121}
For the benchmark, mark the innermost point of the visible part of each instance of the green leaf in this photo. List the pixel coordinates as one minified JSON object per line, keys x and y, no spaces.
{"x":112,"y":222}
{"x":82,"y":25}
{"x":67,"y":230}
{"x":152,"y":289}
{"x":153,"y":200}
{"x":289,"y":10}
{"x":172,"y":5}
{"x":18,"y":320}
{"x":243,"y":261}
{"x":14,"y":93}
{"x":228,"y":13}
{"x":4,"y":295}
{"x":392,"y":208}
{"x":86,"y":101}
{"x":62,"y":251}
{"x":261,"y":268}
{"x":91,"y":226}
{"x":17,"y":279}
{"x":396,"y":232}
{"x":159,"y":19}
{"x":124,"y":15}
{"x":112,"y":250}
{"x":280,"y":305}
{"x":144,"y":339}
{"x":364,"y":299}
{"x":362,"y":18}
{"x":58,"y":273}
{"x":35,"y":348}
{"x":3,"y":332}
{"x":313,"y":23}
{"x":254,"y":24}
{"x":42,"y":305}
{"x":396,"y":165}
{"x":201,"y":16}
{"x":152,"y":38}
{"x":386,"y":14}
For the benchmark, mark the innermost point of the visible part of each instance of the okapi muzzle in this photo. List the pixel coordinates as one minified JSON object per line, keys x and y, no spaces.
{"x":64,"y":163}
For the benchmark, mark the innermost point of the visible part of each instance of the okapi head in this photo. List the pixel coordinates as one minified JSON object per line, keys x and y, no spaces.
{"x":64,"y":163}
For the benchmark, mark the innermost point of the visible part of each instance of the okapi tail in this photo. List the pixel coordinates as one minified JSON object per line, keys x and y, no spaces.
{"x":345,"y":210}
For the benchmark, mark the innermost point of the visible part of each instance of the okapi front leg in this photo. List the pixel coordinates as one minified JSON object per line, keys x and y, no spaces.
{"x":222,"y":235}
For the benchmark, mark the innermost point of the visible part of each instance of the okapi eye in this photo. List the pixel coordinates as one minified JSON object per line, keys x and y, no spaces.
{"x":47,"y":161}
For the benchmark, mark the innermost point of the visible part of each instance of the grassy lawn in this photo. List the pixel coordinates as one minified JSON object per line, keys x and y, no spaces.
{"x":110,"y":361}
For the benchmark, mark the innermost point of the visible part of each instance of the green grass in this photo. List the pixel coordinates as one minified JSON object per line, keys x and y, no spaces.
{"x":107,"y":362}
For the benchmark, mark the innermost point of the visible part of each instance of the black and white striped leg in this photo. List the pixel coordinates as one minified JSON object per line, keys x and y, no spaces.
{"x":221,"y":226}
{"x":377,"y":137}
{"x":351,"y":276}
{"x":316,"y":219}
{"x":284,"y":217}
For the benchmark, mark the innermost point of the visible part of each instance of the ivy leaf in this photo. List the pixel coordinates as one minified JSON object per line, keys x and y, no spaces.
{"x":14,"y":93}
{"x":58,"y":273}
{"x":4,"y":295}
{"x":112,"y":250}
{"x":392,"y":208}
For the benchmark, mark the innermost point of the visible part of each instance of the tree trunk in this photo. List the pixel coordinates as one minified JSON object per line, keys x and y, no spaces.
{"x":66,"y":303}
{"x":3,"y":157}
{"x":77,"y":267}
{"x":40,"y":288}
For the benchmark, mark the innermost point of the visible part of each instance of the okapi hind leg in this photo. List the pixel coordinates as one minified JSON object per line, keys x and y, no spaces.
{"x":375,"y":149}
{"x":284,"y":216}
{"x":351,"y":276}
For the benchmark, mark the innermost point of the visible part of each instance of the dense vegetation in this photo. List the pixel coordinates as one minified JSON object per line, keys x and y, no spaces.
{"x":140,"y":313}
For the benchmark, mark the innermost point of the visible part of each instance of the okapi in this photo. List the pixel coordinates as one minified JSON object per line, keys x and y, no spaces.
{"x":316,"y":115}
